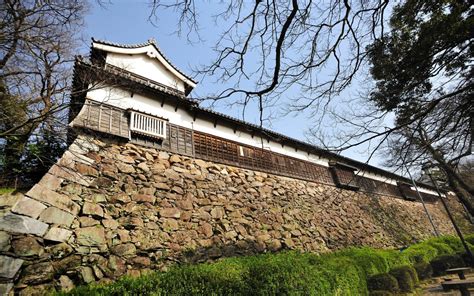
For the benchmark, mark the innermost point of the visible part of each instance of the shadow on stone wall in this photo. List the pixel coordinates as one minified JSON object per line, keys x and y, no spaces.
{"x":107,"y":209}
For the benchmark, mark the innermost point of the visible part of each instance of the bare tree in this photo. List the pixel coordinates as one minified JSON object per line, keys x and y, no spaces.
{"x":37,"y":45}
{"x":419,"y":104}
{"x":269,"y":47}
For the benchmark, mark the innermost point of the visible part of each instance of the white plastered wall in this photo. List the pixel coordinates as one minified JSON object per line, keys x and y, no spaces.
{"x":142,"y":65}
{"x":123,"y":99}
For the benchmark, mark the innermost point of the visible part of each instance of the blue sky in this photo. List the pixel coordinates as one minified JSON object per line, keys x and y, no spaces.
{"x":127,"y":22}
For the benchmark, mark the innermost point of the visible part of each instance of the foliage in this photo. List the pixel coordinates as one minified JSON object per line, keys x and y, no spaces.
{"x":375,"y":261}
{"x":6,"y":190}
{"x":441,"y":263}
{"x":432,"y":248}
{"x":470,"y":239}
{"x":406,"y":278}
{"x":423,"y":270}
{"x":382,"y":282}
{"x":352,"y":271}
{"x":423,"y":72}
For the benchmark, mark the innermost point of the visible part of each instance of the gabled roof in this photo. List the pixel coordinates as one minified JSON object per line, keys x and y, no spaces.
{"x":151,"y":49}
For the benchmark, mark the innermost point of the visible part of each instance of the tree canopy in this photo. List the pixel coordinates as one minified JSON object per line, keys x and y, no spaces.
{"x":424,"y":74}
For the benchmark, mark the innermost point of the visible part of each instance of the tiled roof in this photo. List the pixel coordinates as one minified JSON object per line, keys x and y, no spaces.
{"x":124,"y":74}
{"x":278,"y":137}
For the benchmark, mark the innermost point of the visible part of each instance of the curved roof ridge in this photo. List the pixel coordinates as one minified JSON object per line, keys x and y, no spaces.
{"x":150,"y":41}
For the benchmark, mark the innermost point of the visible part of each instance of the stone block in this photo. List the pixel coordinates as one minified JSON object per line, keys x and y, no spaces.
{"x":9,"y":266}
{"x":87,"y":274}
{"x":97,"y":198}
{"x":5,"y":238}
{"x":61,"y":201}
{"x":143,"y":167}
{"x":37,"y":273}
{"x":27,"y":246}
{"x":124,"y":250}
{"x":170,"y":213}
{"x":117,"y":266}
{"x":54,"y":215}
{"x":90,"y":236}
{"x":206,"y":229}
{"x":68,"y":174}
{"x":7,"y":201}
{"x":170,"y":225}
{"x":5,"y":288}
{"x":125,"y":158}
{"x":28,"y":207}
{"x":86,"y":170}
{"x":50,"y":181}
{"x":121,"y":198}
{"x":66,"y":283}
{"x":125,"y":168}
{"x":90,"y":159}
{"x":163,"y":155}
{"x":102,"y":182}
{"x":87,"y":221}
{"x":22,"y":224}
{"x":186,"y":204}
{"x":175,"y":158}
{"x":144,"y":198}
{"x":57,"y":234}
{"x":110,"y":224}
{"x":92,"y":209}
{"x":86,"y":144}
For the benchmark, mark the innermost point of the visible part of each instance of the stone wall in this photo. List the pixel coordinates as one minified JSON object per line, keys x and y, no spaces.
{"x":108,"y":209}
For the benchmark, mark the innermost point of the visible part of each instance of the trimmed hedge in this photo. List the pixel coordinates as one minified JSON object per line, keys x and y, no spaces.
{"x":441,"y":263}
{"x":429,"y":249}
{"x":348,"y":272}
{"x":423,"y":270}
{"x":406,"y":278}
{"x":382,"y":282}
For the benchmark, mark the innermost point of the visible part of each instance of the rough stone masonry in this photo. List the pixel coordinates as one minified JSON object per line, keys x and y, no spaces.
{"x":107,"y":209}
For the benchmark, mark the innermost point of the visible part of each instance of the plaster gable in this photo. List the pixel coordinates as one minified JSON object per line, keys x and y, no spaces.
{"x":145,"y":66}
{"x":146,"y":60}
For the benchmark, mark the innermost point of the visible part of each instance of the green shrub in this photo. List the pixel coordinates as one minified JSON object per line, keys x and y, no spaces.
{"x":441,"y":263}
{"x":420,"y":253}
{"x":345,"y":276}
{"x":405,"y":278}
{"x":347,"y":272}
{"x":441,"y":248}
{"x":453,"y":242}
{"x":272,"y":275}
{"x":466,"y":259}
{"x":470,"y":239}
{"x":220,"y":278}
{"x":370,"y":260}
{"x":423,"y":270}
{"x":382,"y":282}
{"x":123,"y":286}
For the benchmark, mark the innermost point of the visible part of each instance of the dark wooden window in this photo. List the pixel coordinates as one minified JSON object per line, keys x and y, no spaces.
{"x":344,"y":176}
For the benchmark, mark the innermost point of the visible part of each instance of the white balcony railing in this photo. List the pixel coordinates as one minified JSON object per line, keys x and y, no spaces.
{"x":147,"y":125}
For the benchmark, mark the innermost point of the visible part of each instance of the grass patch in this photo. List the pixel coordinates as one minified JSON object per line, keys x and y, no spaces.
{"x":6,"y":190}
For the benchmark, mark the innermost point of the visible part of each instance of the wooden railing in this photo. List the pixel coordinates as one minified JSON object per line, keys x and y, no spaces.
{"x":147,"y":125}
